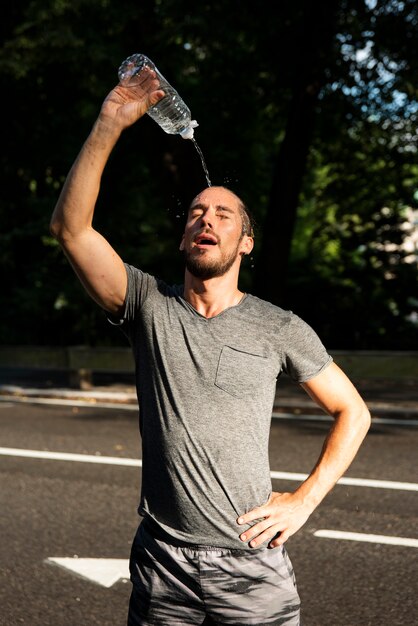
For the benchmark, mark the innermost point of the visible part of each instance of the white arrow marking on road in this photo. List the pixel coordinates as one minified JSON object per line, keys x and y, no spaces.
{"x":393,"y":541}
{"x":105,"y":572}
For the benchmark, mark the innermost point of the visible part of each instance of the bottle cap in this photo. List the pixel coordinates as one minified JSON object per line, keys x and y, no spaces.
{"x":188,"y":132}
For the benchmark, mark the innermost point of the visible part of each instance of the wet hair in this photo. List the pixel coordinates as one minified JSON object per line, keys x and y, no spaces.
{"x":248,"y":223}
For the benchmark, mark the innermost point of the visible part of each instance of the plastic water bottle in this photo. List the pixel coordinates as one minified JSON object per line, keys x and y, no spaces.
{"x":171,"y":113}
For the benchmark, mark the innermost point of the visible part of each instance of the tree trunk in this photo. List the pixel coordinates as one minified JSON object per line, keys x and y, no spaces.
{"x":315,"y":48}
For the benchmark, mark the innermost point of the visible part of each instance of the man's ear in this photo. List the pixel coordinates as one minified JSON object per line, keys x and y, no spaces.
{"x":181,"y":246}
{"x":247,"y":244}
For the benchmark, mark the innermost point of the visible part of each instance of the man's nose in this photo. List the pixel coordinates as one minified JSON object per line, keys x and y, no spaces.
{"x":207,"y":219}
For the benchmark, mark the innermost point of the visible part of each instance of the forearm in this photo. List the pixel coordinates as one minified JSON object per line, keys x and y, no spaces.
{"x":285,"y":513}
{"x":74,"y":211}
{"x":338,"y":452}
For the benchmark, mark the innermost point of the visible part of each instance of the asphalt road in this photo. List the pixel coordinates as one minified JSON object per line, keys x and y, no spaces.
{"x":62,"y":508}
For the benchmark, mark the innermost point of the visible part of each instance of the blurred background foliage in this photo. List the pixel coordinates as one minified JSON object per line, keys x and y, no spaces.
{"x":307,"y":110}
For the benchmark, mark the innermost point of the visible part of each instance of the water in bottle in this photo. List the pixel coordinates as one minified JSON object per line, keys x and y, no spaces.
{"x":171,"y":112}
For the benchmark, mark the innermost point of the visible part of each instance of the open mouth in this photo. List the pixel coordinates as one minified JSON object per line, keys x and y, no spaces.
{"x":205,"y":240}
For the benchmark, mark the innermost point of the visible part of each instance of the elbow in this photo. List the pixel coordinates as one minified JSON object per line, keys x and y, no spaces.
{"x":365,"y":419}
{"x":54,"y":229}
{"x":56,"y":226}
{"x":58,"y":230}
{"x":356,"y":417}
{"x":368,"y":418}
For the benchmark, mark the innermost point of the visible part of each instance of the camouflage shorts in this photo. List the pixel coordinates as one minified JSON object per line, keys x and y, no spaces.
{"x":176,"y":586}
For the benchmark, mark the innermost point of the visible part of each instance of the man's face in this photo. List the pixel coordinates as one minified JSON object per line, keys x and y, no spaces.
{"x":213,"y":242}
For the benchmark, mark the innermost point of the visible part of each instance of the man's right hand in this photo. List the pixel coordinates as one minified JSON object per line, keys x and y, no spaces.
{"x":126,"y":104}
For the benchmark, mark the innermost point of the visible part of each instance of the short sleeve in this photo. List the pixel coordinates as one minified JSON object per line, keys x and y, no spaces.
{"x":139,"y":285}
{"x":304,"y":354}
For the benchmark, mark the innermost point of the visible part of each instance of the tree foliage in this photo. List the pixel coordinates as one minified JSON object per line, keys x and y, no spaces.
{"x":308,"y":111}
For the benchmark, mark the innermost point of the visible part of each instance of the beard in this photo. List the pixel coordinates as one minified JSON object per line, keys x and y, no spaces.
{"x":203,"y":268}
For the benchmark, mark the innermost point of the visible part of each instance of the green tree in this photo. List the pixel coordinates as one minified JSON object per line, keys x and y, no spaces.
{"x":307,"y":111}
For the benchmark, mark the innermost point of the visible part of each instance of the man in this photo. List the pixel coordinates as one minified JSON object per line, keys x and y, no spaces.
{"x":210,"y":546}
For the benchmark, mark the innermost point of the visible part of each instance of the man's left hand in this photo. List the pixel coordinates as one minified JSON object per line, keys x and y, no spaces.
{"x":282,"y":516}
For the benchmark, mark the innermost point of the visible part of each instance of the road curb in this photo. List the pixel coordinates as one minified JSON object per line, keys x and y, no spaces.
{"x":96,"y":397}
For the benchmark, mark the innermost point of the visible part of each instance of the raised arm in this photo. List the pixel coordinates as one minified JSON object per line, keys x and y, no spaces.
{"x":97,"y":265}
{"x":285,"y":513}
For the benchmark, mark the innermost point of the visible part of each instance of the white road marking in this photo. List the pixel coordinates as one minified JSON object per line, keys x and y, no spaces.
{"x":354,"y":482}
{"x":302,"y":417}
{"x":70,"y":456}
{"x":111,"y":460}
{"x":393,"y":541}
{"x":93,"y":403}
{"x":105,"y":572}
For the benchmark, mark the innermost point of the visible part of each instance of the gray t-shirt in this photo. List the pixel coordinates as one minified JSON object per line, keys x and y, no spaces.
{"x":206,"y":389}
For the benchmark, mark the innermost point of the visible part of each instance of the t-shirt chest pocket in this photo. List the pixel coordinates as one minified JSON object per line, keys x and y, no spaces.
{"x":241,"y":373}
